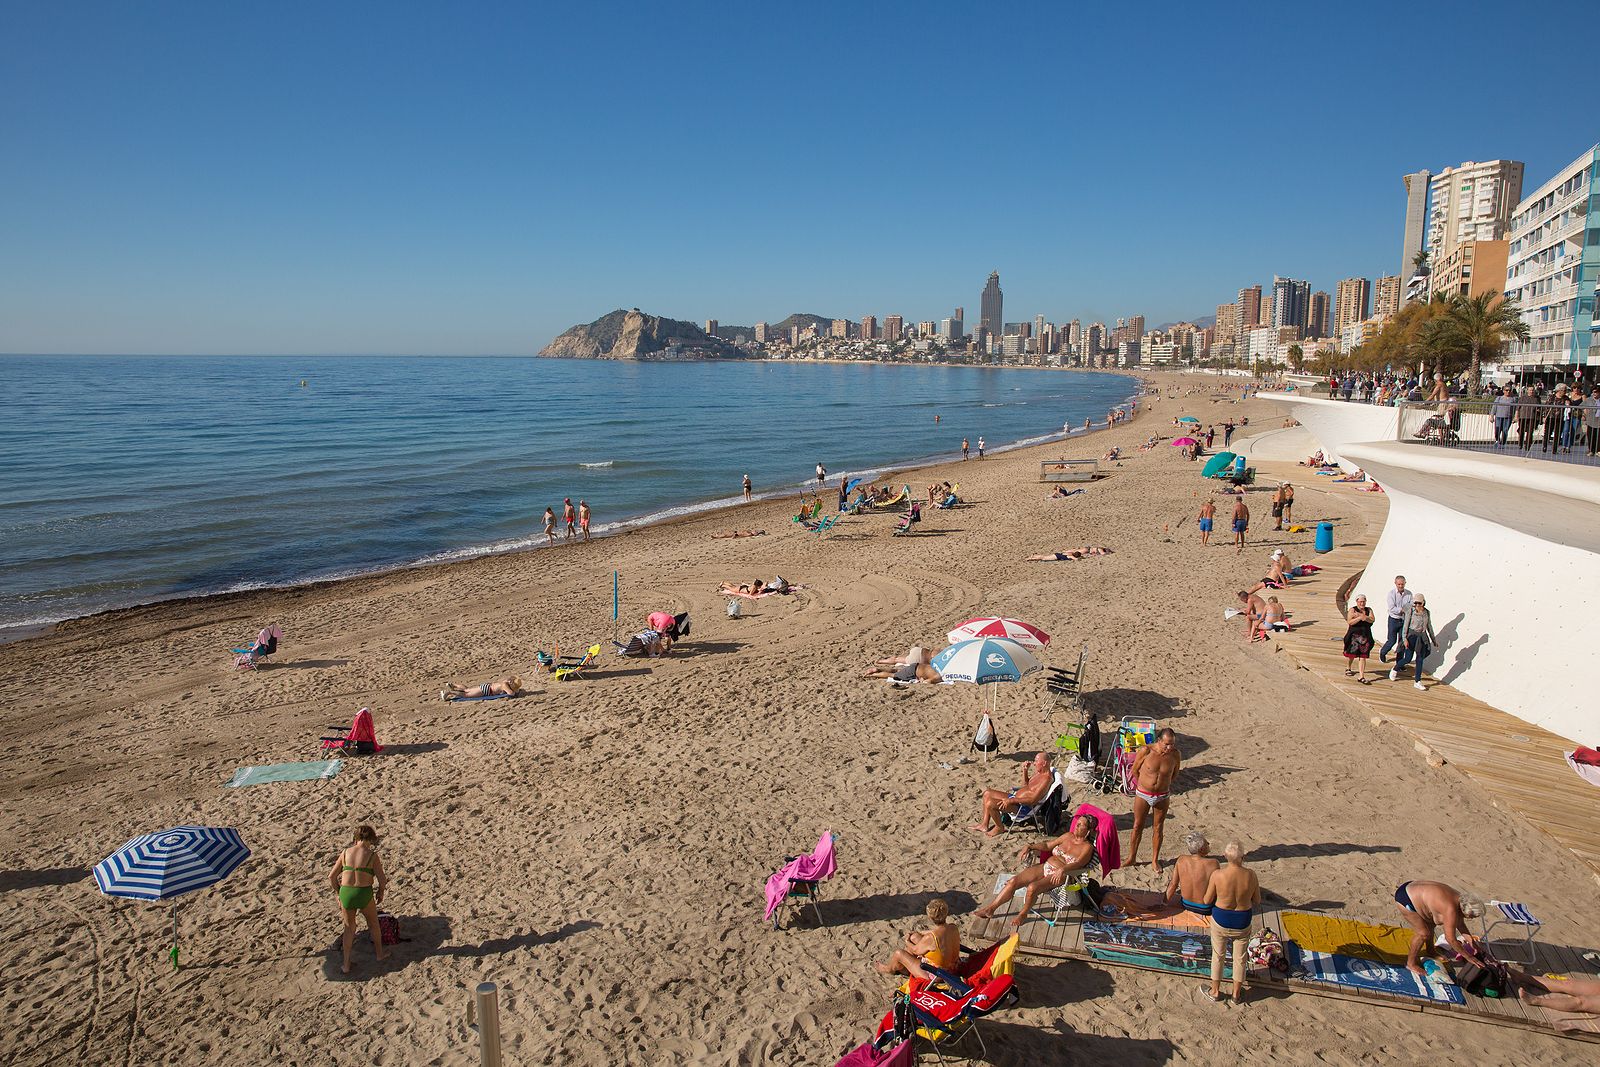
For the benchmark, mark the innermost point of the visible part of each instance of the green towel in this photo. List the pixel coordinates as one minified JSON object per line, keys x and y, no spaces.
{"x":285,"y":772}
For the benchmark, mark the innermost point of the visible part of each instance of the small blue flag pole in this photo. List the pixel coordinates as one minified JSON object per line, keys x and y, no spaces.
{"x":615,"y":603}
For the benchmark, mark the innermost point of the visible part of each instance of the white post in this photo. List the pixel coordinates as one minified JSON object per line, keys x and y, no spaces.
{"x":485,"y":1005}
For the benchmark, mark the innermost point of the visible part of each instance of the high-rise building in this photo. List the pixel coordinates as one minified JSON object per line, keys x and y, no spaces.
{"x":1249,"y":307}
{"x":1554,"y":265}
{"x":1038,"y":328}
{"x":1319,"y":320}
{"x":1351,"y":303}
{"x":1227,"y":326}
{"x":1074,"y":333}
{"x":1094,"y":339}
{"x":992,"y":306}
{"x":711,"y":327}
{"x":893,"y":327}
{"x":1135,"y":328}
{"x":1385,"y":297}
{"x":1266,"y":312}
{"x":869,"y":328}
{"x":1472,"y":268}
{"x":839,"y":328}
{"x":761,"y":332}
{"x":944,"y":328}
{"x":958,"y":322}
{"x":1291,"y":302}
{"x":1471,"y":202}
{"x":1416,"y":234}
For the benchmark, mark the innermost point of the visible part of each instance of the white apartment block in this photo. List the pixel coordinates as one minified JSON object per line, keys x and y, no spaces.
{"x":1553,"y":265}
{"x":1471,"y":202}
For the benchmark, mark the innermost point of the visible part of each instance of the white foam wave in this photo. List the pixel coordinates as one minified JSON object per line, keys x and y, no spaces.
{"x":595,"y":466}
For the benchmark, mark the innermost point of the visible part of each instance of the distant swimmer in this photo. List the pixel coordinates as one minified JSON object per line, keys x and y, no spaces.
{"x":936,"y":420}
{"x":302,"y":383}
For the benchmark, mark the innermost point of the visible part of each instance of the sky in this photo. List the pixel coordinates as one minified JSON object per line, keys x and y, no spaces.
{"x":203,"y":178}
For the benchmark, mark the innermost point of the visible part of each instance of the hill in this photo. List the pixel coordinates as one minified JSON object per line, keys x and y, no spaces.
{"x":636,"y":335}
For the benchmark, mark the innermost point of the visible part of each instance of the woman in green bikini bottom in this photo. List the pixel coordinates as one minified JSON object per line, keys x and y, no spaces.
{"x":358,"y":877}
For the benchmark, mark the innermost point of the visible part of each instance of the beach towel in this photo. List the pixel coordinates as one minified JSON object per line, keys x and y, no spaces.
{"x":1589,"y":772}
{"x":867,"y":1055}
{"x":1143,"y":905}
{"x":284,"y":772}
{"x":1107,"y":845}
{"x":816,"y":866}
{"x":470,"y":700}
{"x":1346,"y":937}
{"x":1352,"y":973}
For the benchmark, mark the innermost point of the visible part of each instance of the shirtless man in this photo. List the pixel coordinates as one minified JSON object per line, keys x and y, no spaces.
{"x":1241,"y":521}
{"x":1234,"y":894}
{"x":1254,"y":609}
{"x":1432,"y":904}
{"x":1072,"y":851}
{"x":569,"y":515}
{"x":1208,"y":516}
{"x":1191,"y":874}
{"x":1036,"y":782}
{"x":1154,"y":769}
{"x":583,"y":518}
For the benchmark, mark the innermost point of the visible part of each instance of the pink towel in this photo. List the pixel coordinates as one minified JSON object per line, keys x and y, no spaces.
{"x":816,"y":867}
{"x":1107,"y":845}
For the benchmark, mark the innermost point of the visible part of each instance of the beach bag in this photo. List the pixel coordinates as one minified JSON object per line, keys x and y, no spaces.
{"x":1050,"y":813}
{"x":733,"y":609}
{"x":867,"y":1055}
{"x":389,"y":928}
{"x":986,"y":739}
{"x":1482,"y":975}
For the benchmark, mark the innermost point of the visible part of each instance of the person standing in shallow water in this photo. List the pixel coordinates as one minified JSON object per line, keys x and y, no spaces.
{"x":550,"y":525}
{"x":747,"y":489}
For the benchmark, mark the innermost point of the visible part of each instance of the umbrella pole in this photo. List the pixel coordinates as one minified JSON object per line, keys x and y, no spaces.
{"x":173,"y":955}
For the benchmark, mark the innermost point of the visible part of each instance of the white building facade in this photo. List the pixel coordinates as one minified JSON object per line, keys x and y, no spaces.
{"x":1553,"y":266}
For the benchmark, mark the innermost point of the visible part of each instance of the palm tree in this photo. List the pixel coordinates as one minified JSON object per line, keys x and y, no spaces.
{"x":1479,"y":325}
{"x":1297,"y":357}
{"x":1420,"y":260}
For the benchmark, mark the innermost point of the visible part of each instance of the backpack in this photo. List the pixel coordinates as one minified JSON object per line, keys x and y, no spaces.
{"x":389,"y":928}
{"x":1050,"y":812}
{"x":1482,"y":975}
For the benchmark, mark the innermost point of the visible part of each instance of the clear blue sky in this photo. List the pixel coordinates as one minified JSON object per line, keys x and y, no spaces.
{"x":475,"y":178}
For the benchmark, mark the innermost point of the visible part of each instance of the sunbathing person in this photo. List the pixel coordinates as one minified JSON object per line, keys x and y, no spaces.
{"x":1254,"y":609}
{"x":505,"y":687}
{"x":1071,"y":852}
{"x":1036,"y":782}
{"x":939,"y":946}
{"x":740,"y":533}
{"x":1192,"y":874}
{"x":1071,"y":553}
{"x":1359,"y":476}
{"x":1276,"y":618}
{"x":1061,"y":491}
{"x":918,"y":654}
{"x":905,"y":674}
{"x":1574,"y":994}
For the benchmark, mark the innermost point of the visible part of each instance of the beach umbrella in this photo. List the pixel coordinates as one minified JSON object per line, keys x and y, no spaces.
{"x":1023,"y":633}
{"x":169,"y":863}
{"x":851,"y":484}
{"x":1216,"y":464}
{"x":985,"y":661}
{"x":1190,"y":418}
{"x":1183,"y":442}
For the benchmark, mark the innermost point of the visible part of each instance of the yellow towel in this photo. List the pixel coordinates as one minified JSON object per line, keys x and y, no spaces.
{"x":1367,"y":941}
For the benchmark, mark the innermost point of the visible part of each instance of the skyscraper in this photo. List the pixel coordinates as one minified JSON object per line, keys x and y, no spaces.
{"x":893,"y":325}
{"x":958,"y":322}
{"x":1416,"y":220}
{"x":711,"y":327}
{"x":992,"y":306}
{"x":1317,"y":322}
{"x":1386,"y":296}
{"x":761,"y":332}
{"x":869,"y":328}
{"x":1471,"y":202}
{"x":1227,"y":326}
{"x":1249,"y":307}
{"x":1351,"y":303}
{"x":1291,"y":302}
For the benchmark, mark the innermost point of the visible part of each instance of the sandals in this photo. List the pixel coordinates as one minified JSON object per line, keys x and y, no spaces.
{"x":1349,"y":674}
{"x":1364,"y":681}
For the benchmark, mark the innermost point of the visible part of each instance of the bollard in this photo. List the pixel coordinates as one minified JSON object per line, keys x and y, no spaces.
{"x":483,"y":1016}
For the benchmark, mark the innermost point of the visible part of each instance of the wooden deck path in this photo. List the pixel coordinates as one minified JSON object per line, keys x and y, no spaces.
{"x":1064,"y":941}
{"x":1519,"y":765}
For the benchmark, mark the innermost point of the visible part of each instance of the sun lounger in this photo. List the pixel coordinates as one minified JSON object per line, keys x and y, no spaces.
{"x":572,"y":667}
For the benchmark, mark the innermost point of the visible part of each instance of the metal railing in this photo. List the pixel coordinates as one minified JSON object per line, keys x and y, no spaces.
{"x":1560,"y":432}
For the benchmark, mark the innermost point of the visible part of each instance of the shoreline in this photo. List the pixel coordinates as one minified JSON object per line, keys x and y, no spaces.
{"x":662,"y":517}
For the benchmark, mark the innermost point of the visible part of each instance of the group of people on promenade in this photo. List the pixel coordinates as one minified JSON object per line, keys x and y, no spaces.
{"x":1562,"y":419}
{"x":576,"y":519}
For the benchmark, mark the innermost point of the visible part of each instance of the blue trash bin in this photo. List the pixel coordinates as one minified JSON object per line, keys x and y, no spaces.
{"x":1324,"y":537}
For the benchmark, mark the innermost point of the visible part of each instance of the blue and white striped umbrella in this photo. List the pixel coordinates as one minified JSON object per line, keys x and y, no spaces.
{"x":172,"y":862}
{"x":986,"y":659}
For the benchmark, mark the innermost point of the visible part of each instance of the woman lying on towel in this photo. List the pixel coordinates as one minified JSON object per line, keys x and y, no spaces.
{"x":1072,"y":851}
{"x":779,"y":586}
{"x":505,"y":687}
{"x":905,"y":673}
{"x":1071,"y":553}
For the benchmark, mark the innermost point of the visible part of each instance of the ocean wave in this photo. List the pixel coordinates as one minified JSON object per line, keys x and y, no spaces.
{"x":596,"y":466}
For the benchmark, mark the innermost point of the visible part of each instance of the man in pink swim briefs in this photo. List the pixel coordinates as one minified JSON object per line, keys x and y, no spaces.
{"x":1154,"y":770}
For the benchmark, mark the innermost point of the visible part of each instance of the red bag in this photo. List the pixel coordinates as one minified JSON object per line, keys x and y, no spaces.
{"x":1586,"y":755}
{"x":388,"y":928}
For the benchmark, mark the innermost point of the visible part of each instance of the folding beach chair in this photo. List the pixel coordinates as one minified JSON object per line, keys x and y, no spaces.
{"x":1065,"y":685}
{"x":573,"y":667}
{"x":913,"y":517}
{"x":1521,"y":920}
{"x":824,"y":524}
{"x":360,"y":740}
{"x":1132,"y":735}
{"x":802,"y":884}
{"x":943,"y":1009}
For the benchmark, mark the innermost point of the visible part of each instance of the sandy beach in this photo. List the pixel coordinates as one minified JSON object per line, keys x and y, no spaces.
{"x":598,"y":847}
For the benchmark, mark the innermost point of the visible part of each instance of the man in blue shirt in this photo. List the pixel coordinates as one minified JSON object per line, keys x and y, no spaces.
{"x":1398,"y":600}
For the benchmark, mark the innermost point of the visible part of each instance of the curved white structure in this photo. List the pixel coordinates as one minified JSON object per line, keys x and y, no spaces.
{"x":1507,"y":551}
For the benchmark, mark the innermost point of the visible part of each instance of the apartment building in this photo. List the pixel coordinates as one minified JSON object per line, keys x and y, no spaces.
{"x":1553,"y":266}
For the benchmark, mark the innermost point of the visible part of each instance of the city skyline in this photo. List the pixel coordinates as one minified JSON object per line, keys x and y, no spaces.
{"x":219,"y":181}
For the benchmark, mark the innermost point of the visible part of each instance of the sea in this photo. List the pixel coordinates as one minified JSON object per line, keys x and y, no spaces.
{"x":131,"y":479}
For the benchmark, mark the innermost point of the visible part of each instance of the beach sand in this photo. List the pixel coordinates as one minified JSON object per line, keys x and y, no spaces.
{"x":598,"y":847}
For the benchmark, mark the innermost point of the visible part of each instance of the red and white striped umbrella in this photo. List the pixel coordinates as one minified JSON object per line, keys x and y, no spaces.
{"x":1023,"y":633}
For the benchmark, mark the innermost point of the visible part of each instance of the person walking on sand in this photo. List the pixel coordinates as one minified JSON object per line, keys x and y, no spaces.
{"x":1428,"y":905}
{"x":1241,"y":523}
{"x":550,"y":526}
{"x":1288,"y":503}
{"x":822,"y":474}
{"x":980,"y":447}
{"x":1234,"y":894}
{"x":1227,"y":433}
{"x":1208,"y":516}
{"x":583,"y":518}
{"x":1419,"y":638}
{"x":359,"y":879}
{"x":569,"y":515}
{"x":747,"y":489}
{"x":965,"y":448}
{"x":1153,"y":772}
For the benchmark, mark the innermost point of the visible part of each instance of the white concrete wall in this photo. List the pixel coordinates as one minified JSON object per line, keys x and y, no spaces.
{"x":1335,"y":423}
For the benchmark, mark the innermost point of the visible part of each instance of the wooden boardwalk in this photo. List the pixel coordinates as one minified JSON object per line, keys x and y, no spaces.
{"x":1065,"y":941}
{"x":1519,"y":765}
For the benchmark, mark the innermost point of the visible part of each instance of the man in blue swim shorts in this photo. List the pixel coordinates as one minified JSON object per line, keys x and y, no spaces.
{"x":1241,"y":523}
{"x":1208,"y":514}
